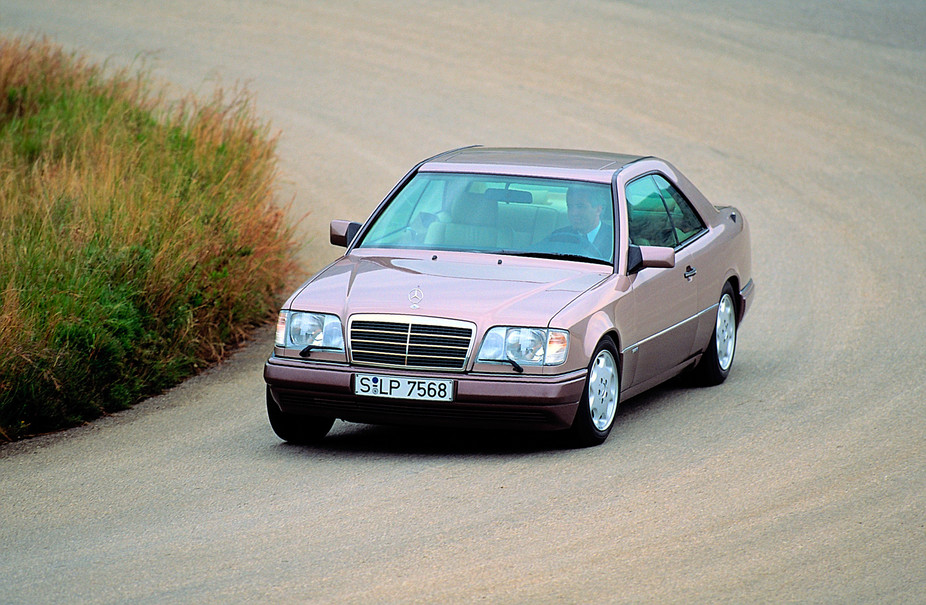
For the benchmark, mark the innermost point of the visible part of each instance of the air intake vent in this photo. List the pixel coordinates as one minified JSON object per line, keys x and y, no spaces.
{"x":400,"y":341}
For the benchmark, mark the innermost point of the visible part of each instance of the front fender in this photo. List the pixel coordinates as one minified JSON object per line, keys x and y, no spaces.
{"x":599,"y":325}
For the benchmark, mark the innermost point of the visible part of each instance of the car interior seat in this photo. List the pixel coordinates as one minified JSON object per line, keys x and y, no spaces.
{"x":473,"y":224}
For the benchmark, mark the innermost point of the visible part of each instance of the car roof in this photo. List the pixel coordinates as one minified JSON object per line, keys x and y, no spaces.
{"x":572,"y":164}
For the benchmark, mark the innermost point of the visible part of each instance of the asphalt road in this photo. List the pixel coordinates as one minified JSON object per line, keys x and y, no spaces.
{"x":802,"y":478}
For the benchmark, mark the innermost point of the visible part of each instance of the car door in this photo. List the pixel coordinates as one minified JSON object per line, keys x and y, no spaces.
{"x":693,"y":249}
{"x":665,"y":300}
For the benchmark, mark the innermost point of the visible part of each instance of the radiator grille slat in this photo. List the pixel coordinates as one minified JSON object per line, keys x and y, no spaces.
{"x":411,"y":342}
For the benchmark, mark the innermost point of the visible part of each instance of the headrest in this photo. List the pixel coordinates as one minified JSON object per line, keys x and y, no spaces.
{"x":512,"y":196}
{"x":475,"y":210}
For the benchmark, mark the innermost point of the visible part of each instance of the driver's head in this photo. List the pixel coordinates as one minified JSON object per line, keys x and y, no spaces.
{"x":584,"y":207}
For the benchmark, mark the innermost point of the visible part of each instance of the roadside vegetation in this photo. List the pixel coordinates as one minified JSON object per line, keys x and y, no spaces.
{"x":139,"y":239}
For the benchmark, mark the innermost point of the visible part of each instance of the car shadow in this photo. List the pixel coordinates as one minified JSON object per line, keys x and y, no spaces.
{"x":675,"y":391}
{"x":347,"y":438}
{"x":380,"y":439}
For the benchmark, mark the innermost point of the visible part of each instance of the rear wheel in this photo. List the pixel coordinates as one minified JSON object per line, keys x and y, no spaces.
{"x":598,"y":406}
{"x":303,"y":430}
{"x":718,"y":358}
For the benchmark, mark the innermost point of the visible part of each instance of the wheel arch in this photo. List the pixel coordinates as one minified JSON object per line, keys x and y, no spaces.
{"x":734,"y":281}
{"x":601,"y":327}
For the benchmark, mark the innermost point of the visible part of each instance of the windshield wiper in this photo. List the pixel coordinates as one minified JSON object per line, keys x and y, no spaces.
{"x":306,"y":352}
{"x":517,"y":367}
{"x":557,"y":255}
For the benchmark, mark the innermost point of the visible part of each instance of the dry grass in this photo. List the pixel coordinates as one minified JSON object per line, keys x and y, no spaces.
{"x":138,"y":239}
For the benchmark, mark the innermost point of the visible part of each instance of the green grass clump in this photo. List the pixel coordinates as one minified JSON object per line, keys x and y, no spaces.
{"x":138,"y":239}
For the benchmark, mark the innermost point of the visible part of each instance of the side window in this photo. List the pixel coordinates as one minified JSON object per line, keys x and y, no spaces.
{"x":649,"y":223}
{"x":685,"y":220}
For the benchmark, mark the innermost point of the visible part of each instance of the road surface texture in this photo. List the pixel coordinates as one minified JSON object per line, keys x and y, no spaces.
{"x":802,"y":478}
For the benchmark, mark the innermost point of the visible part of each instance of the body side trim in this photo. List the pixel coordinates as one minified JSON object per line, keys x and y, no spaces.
{"x":669,"y":329}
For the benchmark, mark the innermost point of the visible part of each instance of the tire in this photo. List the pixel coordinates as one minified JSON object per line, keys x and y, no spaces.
{"x":598,"y":406}
{"x":302,"y":430}
{"x":717,"y":360}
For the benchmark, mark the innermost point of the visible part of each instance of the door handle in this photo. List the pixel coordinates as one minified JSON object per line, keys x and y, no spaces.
{"x":690,"y":272}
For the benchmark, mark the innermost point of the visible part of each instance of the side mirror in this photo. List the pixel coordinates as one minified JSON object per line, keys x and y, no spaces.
{"x":642,"y":257}
{"x":344,"y":232}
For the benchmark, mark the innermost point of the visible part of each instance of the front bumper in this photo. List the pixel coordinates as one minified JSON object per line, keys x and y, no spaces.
{"x":480,"y":400}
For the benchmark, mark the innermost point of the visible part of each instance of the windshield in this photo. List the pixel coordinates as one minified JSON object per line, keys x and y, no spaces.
{"x":498,"y":214}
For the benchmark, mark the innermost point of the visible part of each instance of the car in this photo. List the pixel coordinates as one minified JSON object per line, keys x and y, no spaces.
{"x":517,"y":289}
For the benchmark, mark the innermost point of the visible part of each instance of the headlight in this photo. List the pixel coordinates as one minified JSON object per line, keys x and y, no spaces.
{"x":296,"y":329}
{"x":526,"y":346}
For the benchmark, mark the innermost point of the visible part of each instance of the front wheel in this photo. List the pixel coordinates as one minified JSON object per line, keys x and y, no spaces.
{"x":717,"y":360}
{"x":598,"y":406}
{"x":302,"y":430}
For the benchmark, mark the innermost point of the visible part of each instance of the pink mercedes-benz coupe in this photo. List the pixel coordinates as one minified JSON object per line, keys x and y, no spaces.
{"x":513,"y":288}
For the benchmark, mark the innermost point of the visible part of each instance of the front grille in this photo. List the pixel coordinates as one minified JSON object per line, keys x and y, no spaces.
{"x":410,"y":342}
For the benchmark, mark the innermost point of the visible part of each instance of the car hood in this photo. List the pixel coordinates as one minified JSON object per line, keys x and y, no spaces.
{"x":485,"y":289}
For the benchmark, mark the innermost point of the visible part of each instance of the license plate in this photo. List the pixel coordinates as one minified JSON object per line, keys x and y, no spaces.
{"x":400,"y":387}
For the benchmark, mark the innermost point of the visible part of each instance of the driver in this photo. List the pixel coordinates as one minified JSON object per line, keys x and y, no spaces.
{"x":584,"y":207}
